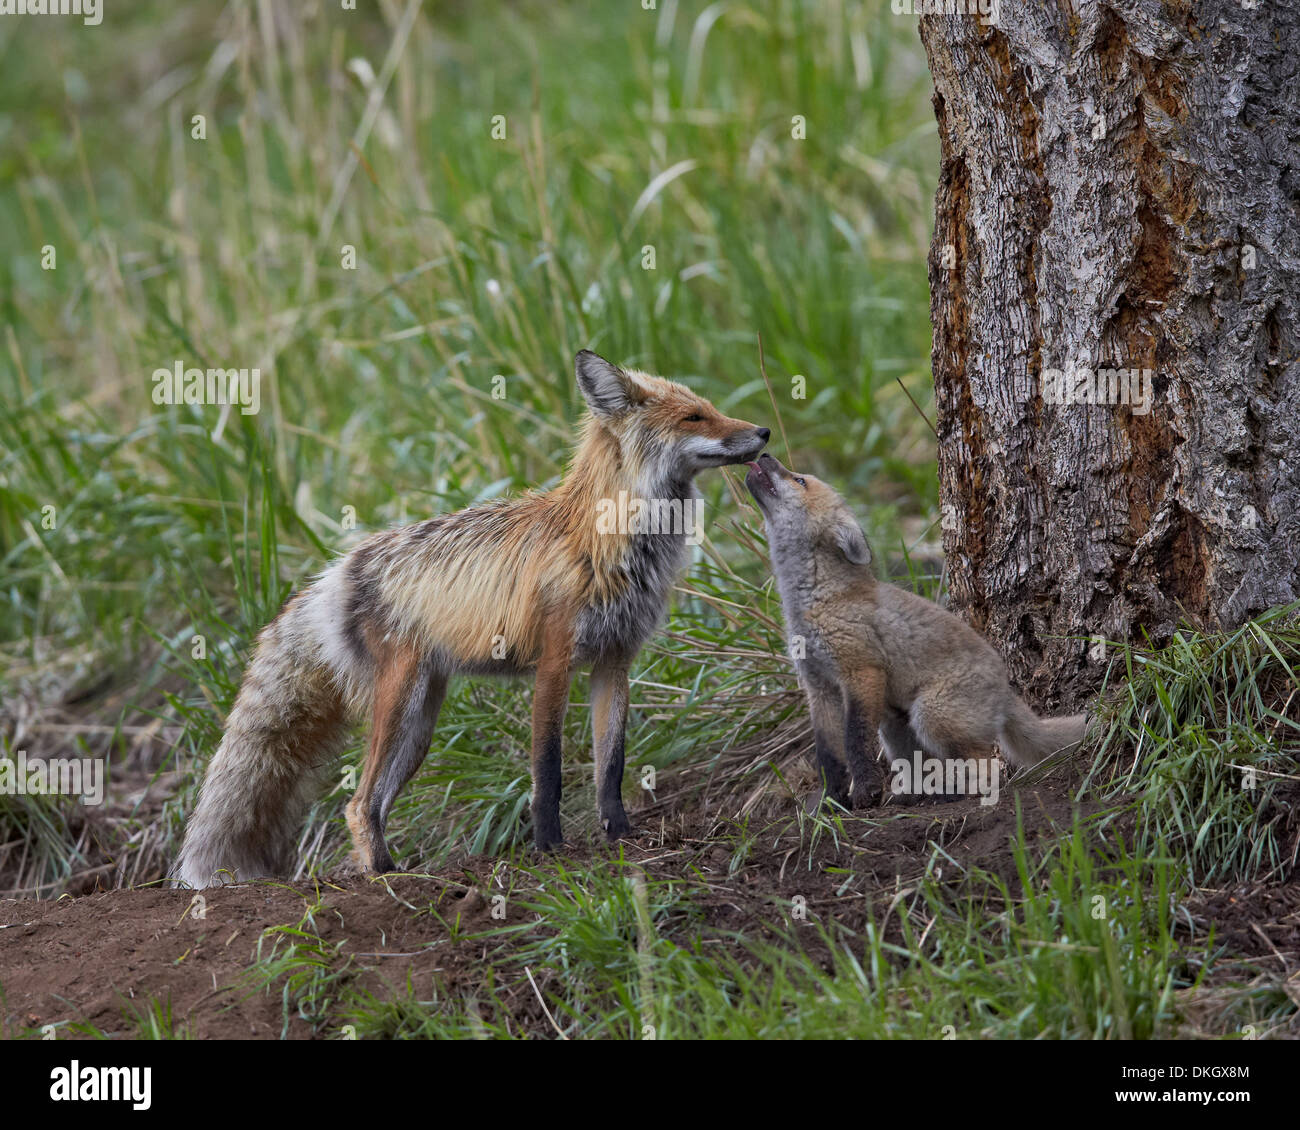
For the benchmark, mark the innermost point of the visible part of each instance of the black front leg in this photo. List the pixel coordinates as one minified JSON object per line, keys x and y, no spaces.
{"x":609,"y":699}
{"x":550,"y":697}
{"x":860,"y":747}
{"x":546,"y":795}
{"x":835,"y":782}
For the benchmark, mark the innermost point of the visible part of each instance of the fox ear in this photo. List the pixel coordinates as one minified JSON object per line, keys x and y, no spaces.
{"x":605,"y":387}
{"x":852,"y":542}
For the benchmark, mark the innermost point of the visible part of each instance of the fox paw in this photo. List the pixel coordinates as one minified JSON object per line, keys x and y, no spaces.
{"x":914,"y":799}
{"x":616,"y":827}
{"x":381,"y":865}
{"x":866,"y":798}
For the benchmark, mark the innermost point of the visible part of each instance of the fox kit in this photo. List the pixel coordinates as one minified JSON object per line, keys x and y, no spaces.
{"x":876,"y":658}
{"x":533,"y":585}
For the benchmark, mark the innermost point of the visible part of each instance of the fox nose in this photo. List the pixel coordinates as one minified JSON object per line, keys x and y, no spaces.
{"x":764,"y":434}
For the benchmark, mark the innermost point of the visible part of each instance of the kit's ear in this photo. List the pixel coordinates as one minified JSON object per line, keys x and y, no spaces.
{"x":852,"y":542}
{"x":604,"y":386}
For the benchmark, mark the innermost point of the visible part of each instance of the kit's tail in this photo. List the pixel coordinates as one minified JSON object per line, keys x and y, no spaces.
{"x":1026,"y":738}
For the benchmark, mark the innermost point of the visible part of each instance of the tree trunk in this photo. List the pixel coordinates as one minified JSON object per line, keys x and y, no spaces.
{"x":1120,"y":189}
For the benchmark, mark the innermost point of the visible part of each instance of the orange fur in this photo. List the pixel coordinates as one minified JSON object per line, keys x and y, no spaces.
{"x":396,"y":672}
{"x":472,"y":603}
{"x":535,"y":583}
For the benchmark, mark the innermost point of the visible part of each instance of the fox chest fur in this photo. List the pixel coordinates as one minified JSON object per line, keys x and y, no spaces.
{"x":810,"y":648}
{"x":632,"y":599}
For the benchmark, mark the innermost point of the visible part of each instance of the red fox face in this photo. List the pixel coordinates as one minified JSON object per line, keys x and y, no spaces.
{"x":661,"y":425}
{"x":801,"y":511}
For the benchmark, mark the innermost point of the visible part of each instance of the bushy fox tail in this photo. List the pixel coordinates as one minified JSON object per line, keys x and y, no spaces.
{"x":286,"y":727}
{"x":1026,"y":738}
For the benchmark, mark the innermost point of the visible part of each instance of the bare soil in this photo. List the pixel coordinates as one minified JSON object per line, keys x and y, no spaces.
{"x":97,"y":956}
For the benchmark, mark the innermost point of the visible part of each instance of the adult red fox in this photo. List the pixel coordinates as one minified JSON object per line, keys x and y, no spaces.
{"x":537,"y":584}
{"x":876,"y":660}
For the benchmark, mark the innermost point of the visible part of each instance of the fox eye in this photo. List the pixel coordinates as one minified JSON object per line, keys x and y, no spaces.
{"x":693,"y":418}
{"x":801,"y":482}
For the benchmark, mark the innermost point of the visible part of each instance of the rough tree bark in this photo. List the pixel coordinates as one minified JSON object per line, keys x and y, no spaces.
{"x":1120,"y":186}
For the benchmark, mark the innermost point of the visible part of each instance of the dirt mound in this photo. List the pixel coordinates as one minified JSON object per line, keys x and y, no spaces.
{"x":100,"y":958}
{"x":1252,"y":920}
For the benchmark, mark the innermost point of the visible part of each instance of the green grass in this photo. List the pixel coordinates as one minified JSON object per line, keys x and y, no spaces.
{"x":1076,"y":944}
{"x":152,"y":1019}
{"x":307,"y":971}
{"x":1204,"y":734}
{"x":475,"y":258}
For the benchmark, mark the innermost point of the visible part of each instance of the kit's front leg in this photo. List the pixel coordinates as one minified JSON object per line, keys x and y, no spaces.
{"x":864,"y":710}
{"x":827,"y":712}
